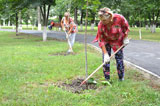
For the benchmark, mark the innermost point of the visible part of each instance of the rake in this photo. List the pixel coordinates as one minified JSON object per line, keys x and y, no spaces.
{"x":101,"y":66}
{"x":67,"y":36}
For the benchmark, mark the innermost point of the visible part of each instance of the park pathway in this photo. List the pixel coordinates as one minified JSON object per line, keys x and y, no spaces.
{"x":145,"y":54}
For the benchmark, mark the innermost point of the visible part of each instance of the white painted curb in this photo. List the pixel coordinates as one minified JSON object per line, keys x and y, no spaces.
{"x":131,"y":64}
{"x":140,"y":68}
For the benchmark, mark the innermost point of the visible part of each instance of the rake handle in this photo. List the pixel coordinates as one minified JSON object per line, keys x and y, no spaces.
{"x":101,"y":65}
{"x":68,"y":40}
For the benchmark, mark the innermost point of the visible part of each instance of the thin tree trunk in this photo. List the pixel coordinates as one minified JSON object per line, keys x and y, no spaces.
{"x":153,"y":15}
{"x":9,"y":23}
{"x":39,"y":18}
{"x":20,"y":21}
{"x":81,"y":20}
{"x":75,"y":16}
{"x":16,"y":23}
{"x":92,"y":21}
{"x":44,"y":33}
{"x":43,"y":12}
{"x":157,"y":16}
{"x":60,"y":18}
{"x":49,"y":6}
{"x":44,"y":24}
{"x":149,"y":17}
{"x":45,"y":20}
{"x":153,"y":26}
{"x":4,"y":24}
{"x":44,"y":15}
{"x":82,"y":13}
{"x":85,"y":43}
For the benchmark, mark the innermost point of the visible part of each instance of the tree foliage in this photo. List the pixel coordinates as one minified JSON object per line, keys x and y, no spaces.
{"x":135,"y":11}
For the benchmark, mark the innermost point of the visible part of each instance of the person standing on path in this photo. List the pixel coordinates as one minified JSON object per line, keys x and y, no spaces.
{"x":69,"y":26}
{"x":112,"y":33}
{"x":51,"y":25}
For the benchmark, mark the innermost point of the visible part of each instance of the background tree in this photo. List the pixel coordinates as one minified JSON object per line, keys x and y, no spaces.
{"x":45,"y":6}
{"x":13,"y":6}
{"x":60,"y":8}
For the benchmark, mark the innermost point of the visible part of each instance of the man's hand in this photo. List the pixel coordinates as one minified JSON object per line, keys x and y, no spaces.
{"x":67,"y":36}
{"x":126,"y":41}
{"x":106,"y":58}
{"x":69,"y":32}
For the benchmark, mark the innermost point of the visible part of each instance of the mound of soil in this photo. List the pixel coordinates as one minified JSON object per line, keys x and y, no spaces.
{"x":75,"y":86}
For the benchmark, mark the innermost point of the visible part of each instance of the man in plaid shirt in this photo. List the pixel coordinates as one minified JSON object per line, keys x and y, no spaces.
{"x":112,"y":33}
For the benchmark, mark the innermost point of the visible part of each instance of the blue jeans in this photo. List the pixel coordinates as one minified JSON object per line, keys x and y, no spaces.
{"x":119,"y":62}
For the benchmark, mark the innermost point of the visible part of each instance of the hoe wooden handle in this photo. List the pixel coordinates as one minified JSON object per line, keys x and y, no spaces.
{"x":101,"y":65}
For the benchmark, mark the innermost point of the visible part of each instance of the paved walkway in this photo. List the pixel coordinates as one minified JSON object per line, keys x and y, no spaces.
{"x":145,"y":54}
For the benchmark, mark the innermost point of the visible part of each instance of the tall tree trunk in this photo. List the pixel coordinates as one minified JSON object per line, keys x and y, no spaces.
{"x":153,"y":17}
{"x":20,"y":21}
{"x":146,"y":24}
{"x":4,"y":24}
{"x":39,"y":18}
{"x":153,"y":27}
{"x":75,"y":16}
{"x":92,"y":20}
{"x":9,"y":23}
{"x":43,"y":11}
{"x":60,"y":18}
{"x":85,"y":44}
{"x":81,"y":20}
{"x":16,"y":23}
{"x":157,"y":16}
{"x":82,"y":14}
{"x":45,"y":20}
{"x":49,"y":6}
{"x":149,"y":17}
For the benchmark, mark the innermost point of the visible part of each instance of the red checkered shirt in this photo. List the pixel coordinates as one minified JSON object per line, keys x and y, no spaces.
{"x":113,"y":35}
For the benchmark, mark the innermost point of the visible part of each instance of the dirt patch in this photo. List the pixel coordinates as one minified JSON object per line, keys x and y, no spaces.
{"x":50,"y":39}
{"x":155,"y":86}
{"x":62,"y":54}
{"x":75,"y":87}
{"x":18,"y":38}
{"x":58,"y":39}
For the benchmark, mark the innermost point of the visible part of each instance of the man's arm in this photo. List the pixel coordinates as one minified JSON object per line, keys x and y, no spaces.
{"x":62,"y":24}
{"x":104,"y":49}
{"x":71,"y":28}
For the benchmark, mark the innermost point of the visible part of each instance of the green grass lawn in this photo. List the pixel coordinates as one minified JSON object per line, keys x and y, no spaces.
{"x":24,"y":27}
{"x":29,"y":72}
{"x":146,"y":34}
{"x":133,"y":34}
